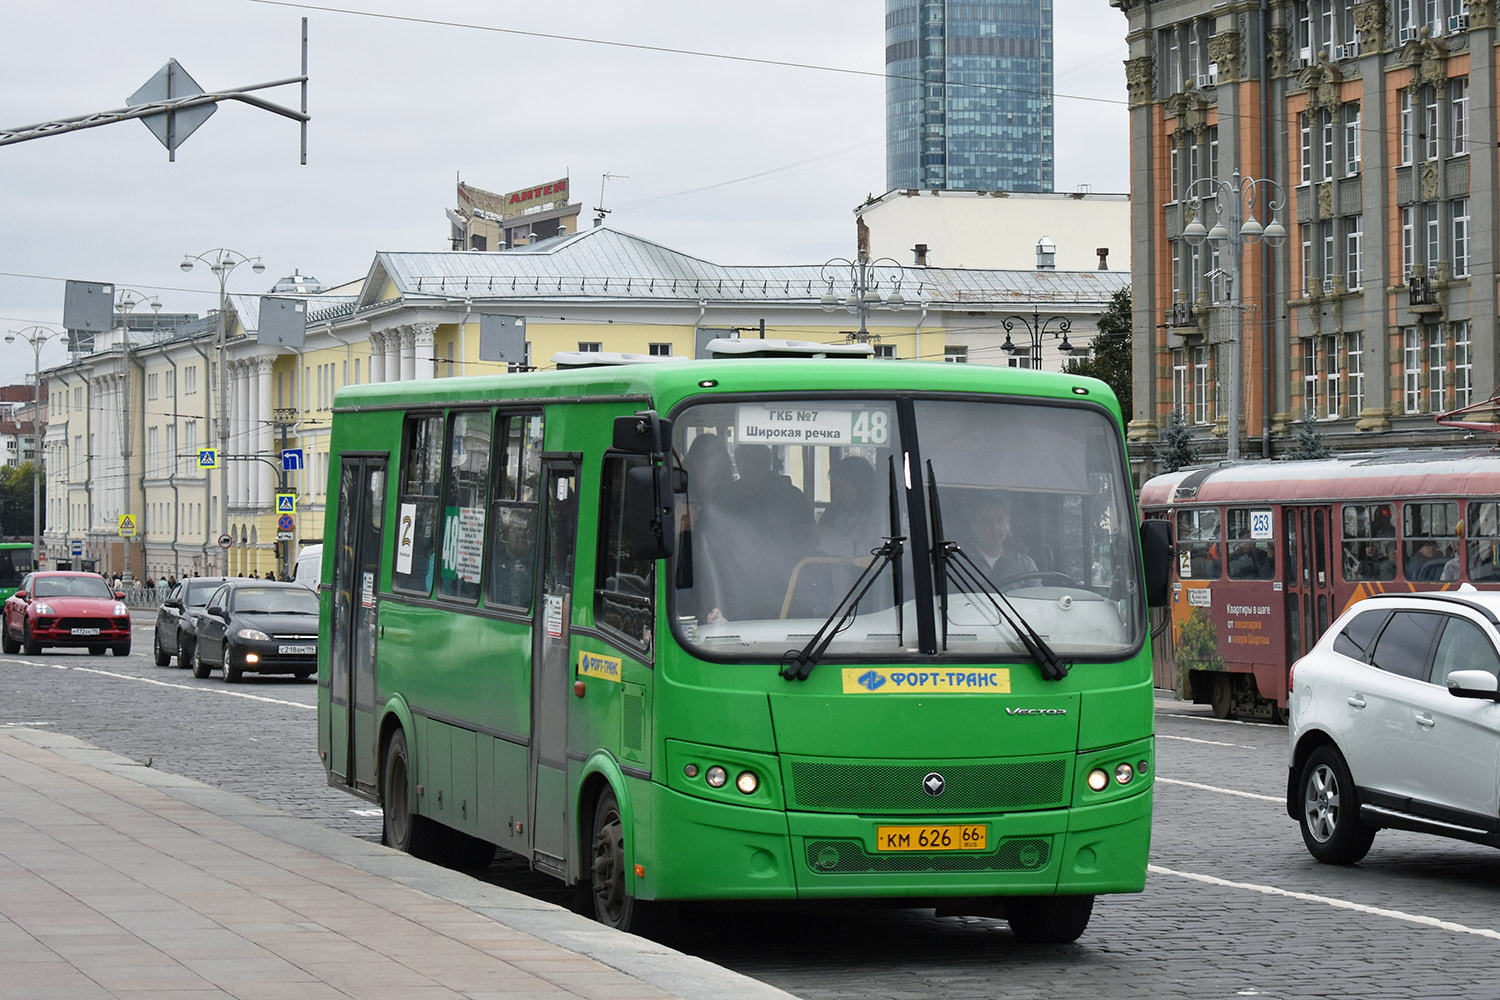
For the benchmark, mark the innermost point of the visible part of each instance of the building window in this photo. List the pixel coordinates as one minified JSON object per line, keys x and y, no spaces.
{"x":1354,"y":251}
{"x":1437,"y":369}
{"x":1430,"y":124}
{"x":1433,"y":243}
{"x":1459,"y":210}
{"x":1408,"y":241}
{"x":1310,"y":376}
{"x":1304,"y":129}
{"x":885,"y":351}
{"x":1411,"y":369}
{"x":1330,"y":255}
{"x":1174,"y":169}
{"x":590,"y":347}
{"x":1202,"y":412}
{"x":151,"y":383}
{"x":1463,"y":365}
{"x":1352,"y":139}
{"x":659,"y":350}
{"x":956,"y":355}
{"x":1305,"y":230}
{"x":1179,"y":381}
{"x":1325,"y":121}
{"x":1403,"y":115}
{"x":189,"y":380}
{"x":1354,"y":353}
{"x":1458,"y":114}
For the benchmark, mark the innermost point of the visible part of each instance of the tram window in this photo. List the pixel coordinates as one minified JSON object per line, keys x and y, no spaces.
{"x":1429,"y":539}
{"x":1198,"y":543}
{"x":1405,"y":644}
{"x":1484,"y":541}
{"x":416,"y":535}
{"x":1366,"y":553}
{"x":1249,"y":558}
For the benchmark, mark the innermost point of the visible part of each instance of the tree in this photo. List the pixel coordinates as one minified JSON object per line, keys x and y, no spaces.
{"x":1110,"y":360}
{"x":1176,"y":447}
{"x":1308,"y":442}
{"x":15,"y":500}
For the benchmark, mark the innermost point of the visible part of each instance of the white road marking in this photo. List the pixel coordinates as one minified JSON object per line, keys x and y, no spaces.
{"x":1341,"y":904}
{"x":1215,"y":788}
{"x":204,"y":689}
{"x":1212,"y":743}
{"x":1223,"y":722}
{"x":367,"y":812}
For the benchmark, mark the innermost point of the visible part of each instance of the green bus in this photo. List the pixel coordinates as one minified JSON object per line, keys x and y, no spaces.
{"x":771,"y":629}
{"x":15,"y":563}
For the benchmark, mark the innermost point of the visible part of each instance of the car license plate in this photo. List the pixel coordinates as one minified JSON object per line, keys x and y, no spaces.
{"x":965,"y":837}
{"x":297,"y":650}
{"x":85,"y":631}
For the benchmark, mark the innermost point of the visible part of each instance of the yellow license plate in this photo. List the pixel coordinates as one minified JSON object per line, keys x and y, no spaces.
{"x":967,"y":837}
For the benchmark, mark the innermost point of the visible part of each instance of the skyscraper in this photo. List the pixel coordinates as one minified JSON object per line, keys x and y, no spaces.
{"x":968,"y":95}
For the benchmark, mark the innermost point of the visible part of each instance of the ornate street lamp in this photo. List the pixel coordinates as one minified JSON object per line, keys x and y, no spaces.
{"x":1035,"y":330}
{"x":864,"y":277}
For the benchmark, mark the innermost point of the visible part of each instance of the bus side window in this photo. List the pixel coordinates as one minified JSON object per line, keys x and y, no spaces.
{"x":417,"y":512}
{"x":465,"y":501}
{"x":625,"y":584}
{"x":511,"y":559}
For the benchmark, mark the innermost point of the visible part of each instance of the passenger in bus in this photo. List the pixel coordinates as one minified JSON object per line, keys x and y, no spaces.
{"x":1451,"y":567}
{"x":709,"y":487}
{"x":852,"y":523}
{"x":767,"y":529}
{"x":764,"y":495}
{"x":1377,"y":561}
{"x":991,"y":551}
{"x":1381,"y":525}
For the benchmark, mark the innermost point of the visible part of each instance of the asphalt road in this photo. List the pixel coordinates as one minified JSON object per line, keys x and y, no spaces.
{"x":1234,"y":907}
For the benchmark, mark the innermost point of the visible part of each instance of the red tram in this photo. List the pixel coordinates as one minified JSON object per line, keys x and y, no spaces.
{"x":1270,"y":553}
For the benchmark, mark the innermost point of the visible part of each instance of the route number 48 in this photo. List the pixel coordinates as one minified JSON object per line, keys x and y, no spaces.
{"x":871,"y":427}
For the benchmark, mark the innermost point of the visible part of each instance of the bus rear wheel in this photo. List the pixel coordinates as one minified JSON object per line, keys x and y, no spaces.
{"x":613,"y":905}
{"x":401,"y":828}
{"x":1049,"y":919}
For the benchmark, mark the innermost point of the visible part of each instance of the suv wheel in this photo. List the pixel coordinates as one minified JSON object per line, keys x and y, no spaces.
{"x":161,"y":656}
{"x":1331,"y":827}
{"x":7,"y":644}
{"x":200,"y":669}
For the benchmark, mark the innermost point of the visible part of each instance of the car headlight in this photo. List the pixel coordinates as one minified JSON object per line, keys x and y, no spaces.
{"x":121,"y":611}
{"x":44,"y":609}
{"x":252,"y":633}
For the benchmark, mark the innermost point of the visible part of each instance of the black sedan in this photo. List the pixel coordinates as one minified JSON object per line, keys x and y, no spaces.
{"x":258,"y":626}
{"x":176,"y":620}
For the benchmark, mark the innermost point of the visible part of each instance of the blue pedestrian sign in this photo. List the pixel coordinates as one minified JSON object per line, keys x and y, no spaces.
{"x":208,"y":458}
{"x":286,"y":503}
{"x":291,"y":459}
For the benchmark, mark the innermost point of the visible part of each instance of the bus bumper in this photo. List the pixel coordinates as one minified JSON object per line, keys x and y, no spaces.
{"x":718,"y":851}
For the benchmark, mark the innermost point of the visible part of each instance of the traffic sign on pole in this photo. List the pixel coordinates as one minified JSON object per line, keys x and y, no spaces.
{"x":286,"y":503}
{"x":285,"y":523}
{"x":208,"y":458}
{"x":225,"y":541}
{"x":127,"y":526}
{"x":291,"y":459}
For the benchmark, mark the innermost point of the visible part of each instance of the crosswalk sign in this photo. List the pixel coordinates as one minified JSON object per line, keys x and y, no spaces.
{"x":286,"y":503}
{"x":208,"y":458}
{"x":127,"y":526}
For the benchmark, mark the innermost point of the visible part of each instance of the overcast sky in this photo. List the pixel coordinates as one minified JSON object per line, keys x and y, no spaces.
{"x":738,"y":161}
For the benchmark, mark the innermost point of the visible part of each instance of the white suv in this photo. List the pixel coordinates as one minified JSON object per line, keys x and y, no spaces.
{"x":1395,"y":723}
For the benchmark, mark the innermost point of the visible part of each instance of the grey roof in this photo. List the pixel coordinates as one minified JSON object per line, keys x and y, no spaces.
{"x":607,"y":264}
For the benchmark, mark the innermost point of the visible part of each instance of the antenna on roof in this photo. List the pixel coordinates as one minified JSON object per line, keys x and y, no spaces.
{"x":599,"y":219}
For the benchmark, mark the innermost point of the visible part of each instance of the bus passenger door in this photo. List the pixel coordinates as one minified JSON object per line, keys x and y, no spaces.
{"x":353,"y":620}
{"x":1307,"y":534}
{"x":551,"y":680}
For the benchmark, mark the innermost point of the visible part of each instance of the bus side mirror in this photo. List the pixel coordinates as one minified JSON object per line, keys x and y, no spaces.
{"x":648,"y":510}
{"x":1156,"y":553}
{"x":643,"y":433}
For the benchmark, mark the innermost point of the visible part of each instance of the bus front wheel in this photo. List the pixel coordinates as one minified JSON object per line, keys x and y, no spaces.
{"x":1049,"y":919}
{"x":614,"y":906}
{"x":400,"y":827}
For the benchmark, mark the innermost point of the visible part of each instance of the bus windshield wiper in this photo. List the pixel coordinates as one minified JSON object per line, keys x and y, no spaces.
{"x":949,"y":559}
{"x":798,"y":664}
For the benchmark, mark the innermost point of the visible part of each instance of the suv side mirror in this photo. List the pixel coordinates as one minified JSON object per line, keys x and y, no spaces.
{"x":216,"y":612}
{"x":1474,"y":684}
{"x":1156,"y":553}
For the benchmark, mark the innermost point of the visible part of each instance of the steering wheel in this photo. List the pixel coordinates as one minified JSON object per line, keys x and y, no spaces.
{"x":1038,"y":574}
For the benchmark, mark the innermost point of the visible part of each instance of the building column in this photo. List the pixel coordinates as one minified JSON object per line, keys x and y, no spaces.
{"x":408,"y":353}
{"x":377,"y":358}
{"x":239,"y":423}
{"x":424,"y":338}
{"x":393,"y":355}
{"x":263,"y":438}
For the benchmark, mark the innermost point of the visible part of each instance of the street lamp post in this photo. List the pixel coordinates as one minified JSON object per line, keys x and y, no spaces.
{"x":36,"y":336}
{"x":864,"y":277}
{"x":222,"y":262}
{"x":1238,"y":201}
{"x":126,"y":300}
{"x":1035,"y":329}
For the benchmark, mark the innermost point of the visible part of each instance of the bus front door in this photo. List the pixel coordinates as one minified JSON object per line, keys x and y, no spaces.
{"x":552,"y":677}
{"x":351,"y":654}
{"x":1307,"y":533}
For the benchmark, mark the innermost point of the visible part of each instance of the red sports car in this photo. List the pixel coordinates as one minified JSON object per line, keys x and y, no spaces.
{"x":65,"y":609}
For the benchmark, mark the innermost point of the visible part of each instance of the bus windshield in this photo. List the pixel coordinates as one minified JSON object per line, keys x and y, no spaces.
{"x":780,"y":504}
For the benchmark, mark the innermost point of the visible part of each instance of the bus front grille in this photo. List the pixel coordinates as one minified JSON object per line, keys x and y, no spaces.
{"x":1000,"y":786}
{"x":849,"y":857}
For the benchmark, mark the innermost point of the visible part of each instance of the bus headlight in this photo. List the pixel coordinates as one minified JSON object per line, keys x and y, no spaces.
{"x":1124,"y":774}
{"x":716,"y":776}
{"x":747,"y":782}
{"x":1098,"y":779}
